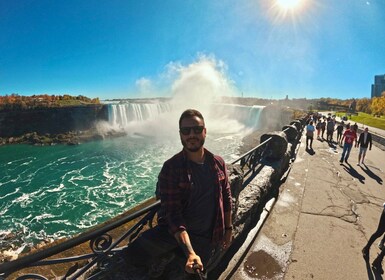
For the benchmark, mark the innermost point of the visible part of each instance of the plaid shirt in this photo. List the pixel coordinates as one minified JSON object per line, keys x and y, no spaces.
{"x":174,"y":188}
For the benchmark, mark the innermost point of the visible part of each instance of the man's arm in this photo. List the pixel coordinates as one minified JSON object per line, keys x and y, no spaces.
{"x":170,"y":196}
{"x":171,"y":201}
{"x":184,"y":241}
{"x":228,"y":219}
{"x":228,"y":229}
{"x":227,"y":207}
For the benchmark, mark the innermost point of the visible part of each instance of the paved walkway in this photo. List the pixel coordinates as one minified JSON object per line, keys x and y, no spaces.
{"x":323,"y":217}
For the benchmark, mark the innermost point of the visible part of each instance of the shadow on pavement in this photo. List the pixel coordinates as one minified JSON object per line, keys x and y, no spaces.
{"x":371,"y":174}
{"x":369,"y":270}
{"x":310,"y":151}
{"x":372,"y":274}
{"x":349,"y":168}
{"x":377,"y":274}
{"x":332,"y":145}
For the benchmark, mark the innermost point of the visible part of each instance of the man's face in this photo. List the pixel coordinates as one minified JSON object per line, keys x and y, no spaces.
{"x":192,"y":133}
{"x":366,"y":129}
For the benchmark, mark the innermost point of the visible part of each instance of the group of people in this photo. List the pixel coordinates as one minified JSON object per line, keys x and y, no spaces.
{"x":320,"y":124}
{"x":363,"y":143}
{"x":346,"y":138}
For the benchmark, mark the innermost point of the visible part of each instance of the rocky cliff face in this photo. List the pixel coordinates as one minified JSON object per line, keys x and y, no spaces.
{"x":51,"y":120}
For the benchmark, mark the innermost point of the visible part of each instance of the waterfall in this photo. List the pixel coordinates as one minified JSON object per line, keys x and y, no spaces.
{"x":248,"y":116}
{"x":227,"y":118}
{"x":120,"y":115}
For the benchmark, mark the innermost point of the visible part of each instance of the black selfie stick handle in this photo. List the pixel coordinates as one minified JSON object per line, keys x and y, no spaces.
{"x":197,"y":270}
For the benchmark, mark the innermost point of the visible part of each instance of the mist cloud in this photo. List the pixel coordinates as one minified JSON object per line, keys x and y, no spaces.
{"x":144,"y":86}
{"x":197,"y":85}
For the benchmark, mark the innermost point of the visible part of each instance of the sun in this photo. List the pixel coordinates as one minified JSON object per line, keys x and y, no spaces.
{"x":282,"y":11}
{"x":288,"y":4}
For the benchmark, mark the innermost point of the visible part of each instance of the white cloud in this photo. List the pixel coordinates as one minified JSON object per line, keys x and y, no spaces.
{"x":144,"y":85}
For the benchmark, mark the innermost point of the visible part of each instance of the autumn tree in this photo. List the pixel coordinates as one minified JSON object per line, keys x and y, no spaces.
{"x":364,"y":105}
{"x":18,"y":102}
{"x":378,"y":105}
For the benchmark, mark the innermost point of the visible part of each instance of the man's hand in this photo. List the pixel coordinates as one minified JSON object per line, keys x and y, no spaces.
{"x":191,"y":260}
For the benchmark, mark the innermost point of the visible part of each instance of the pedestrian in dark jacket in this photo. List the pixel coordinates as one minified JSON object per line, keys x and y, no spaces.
{"x":364,"y":141}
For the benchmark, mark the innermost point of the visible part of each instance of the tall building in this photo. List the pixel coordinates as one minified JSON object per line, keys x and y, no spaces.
{"x":379,"y":85}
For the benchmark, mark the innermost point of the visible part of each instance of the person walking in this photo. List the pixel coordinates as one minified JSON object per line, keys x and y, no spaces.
{"x":323,"y":126}
{"x":318,"y":127}
{"x":364,"y":141}
{"x":349,"y":136}
{"x":330,"y":130}
{"x":196,"y":205}
{"x":309,"y":135}
{"x":339,"y":129}
{"x":355,"y":127}
{"x":377,"y":263}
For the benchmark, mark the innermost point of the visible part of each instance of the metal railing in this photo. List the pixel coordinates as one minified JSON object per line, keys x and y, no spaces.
{"x":253,"y":157}
{"x":101,"y":244}
{"x":100,"y":241}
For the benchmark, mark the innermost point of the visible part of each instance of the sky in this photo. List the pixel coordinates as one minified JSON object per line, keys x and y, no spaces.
{"x":133,"y":49}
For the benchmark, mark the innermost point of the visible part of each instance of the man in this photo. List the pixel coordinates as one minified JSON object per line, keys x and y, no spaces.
{"x":318,"y":127}
{"x":350,"y":136}
{"x":340,"y":128}
{"x":195,"y":215}
{"x":323,"y":126}
{"x":309,"y":135}
{"x":364,"y":141}
{"x":355,"y":127}
{"x":330,"y":130}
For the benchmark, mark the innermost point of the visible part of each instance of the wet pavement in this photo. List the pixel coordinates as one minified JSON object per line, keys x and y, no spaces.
{"x":324,"y":215}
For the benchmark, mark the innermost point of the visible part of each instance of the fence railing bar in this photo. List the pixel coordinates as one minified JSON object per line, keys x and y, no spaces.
{"x":252,"y":150}
{"x":72,"y":242}
{"x":102,"y":254}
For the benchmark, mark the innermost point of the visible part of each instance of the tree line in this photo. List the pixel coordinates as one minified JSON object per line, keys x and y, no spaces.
{"x":375,"y":105}
{"x":18,"y":102}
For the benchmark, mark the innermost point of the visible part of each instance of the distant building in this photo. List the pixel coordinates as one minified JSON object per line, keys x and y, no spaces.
{"x":379,"y":85}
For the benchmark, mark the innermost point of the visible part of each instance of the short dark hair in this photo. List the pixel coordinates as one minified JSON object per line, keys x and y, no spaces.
{"x":190,"y":113}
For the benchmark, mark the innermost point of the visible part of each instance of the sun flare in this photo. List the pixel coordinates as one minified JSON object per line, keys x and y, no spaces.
{"x":284,"y":11}
{"x":288,"y":4}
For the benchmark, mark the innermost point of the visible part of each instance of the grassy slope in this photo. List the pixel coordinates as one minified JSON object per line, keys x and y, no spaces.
{"x":367,"y":119}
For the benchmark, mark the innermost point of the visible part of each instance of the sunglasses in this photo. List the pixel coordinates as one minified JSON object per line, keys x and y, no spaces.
{"x":187,"y":130}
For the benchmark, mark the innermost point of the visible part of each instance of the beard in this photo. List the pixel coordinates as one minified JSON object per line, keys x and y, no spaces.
{"x":195,"y":147}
